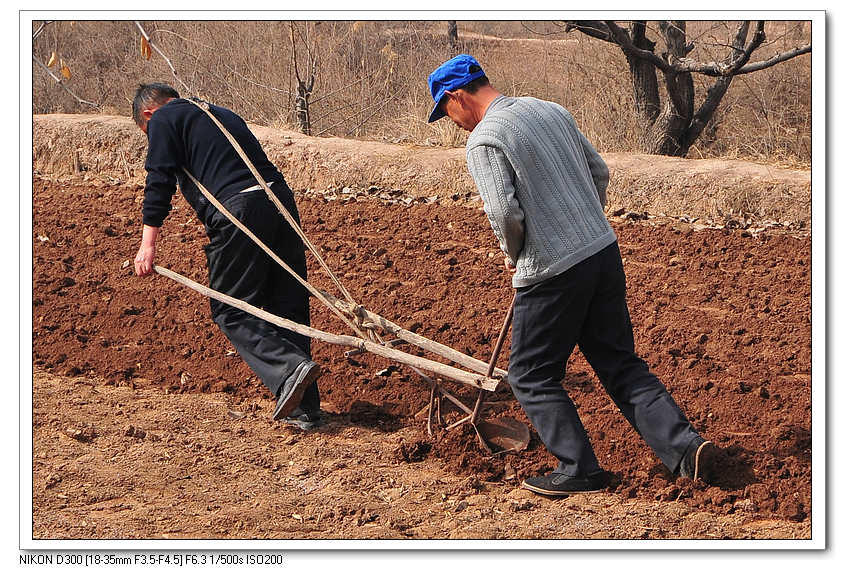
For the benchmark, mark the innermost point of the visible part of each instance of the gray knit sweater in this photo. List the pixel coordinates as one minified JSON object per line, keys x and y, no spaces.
{"x":543,"y":186}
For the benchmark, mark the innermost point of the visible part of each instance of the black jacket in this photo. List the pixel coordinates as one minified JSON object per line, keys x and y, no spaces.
{"x":182,"y":135}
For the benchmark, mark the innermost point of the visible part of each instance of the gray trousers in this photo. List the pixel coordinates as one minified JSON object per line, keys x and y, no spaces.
{"x":586,"y":306}
{"x":239,"y":268}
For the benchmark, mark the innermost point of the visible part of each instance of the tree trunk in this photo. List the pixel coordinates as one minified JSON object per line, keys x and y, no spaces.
{"x":666,"y":136}
{"x":643,"y":77}
{"x":452,"y":32}
{"x":668,"y":133}
{"x":303,"y":109}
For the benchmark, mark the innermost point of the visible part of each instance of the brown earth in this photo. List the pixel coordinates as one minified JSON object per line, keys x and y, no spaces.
{"x":109,"y":147}
{"x":147,"y":425}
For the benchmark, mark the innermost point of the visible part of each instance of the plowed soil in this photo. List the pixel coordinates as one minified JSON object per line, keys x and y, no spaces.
{"x":146,"y":423}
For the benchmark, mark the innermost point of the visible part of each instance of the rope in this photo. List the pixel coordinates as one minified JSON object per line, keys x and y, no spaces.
{"x":313,"y":290}
{"x":274,"y":199}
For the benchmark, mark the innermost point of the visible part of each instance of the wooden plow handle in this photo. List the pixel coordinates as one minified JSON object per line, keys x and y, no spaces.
{"x":371,"y":319}
{"x":439,"y":369}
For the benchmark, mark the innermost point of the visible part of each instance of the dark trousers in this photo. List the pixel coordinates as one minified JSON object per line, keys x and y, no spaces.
{"x":239,"y":268}
{"x":586,"y":305}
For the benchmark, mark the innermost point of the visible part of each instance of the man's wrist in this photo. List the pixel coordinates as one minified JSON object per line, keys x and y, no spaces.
{"x":150,"y":235}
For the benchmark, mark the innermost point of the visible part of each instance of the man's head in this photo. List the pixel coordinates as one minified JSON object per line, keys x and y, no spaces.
{"x":461,"y":91}
{"x":148,"y":98}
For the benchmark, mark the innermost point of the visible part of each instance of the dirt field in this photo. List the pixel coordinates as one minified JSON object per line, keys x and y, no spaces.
{"x":147,"y":425}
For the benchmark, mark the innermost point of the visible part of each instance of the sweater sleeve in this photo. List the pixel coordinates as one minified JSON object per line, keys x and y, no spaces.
{"x":162,"y":164}
{"x":598,"y":168}
{"x":494,"y":178}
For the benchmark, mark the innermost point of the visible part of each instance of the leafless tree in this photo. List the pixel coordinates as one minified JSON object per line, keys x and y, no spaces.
{"x":304,"y":87}
{"x":672,"y":128}
{"x":452,"y":32}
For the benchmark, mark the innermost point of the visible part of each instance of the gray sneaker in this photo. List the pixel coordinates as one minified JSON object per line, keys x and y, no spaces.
{"x":306,"y":422}
{"x":294,"y":388}
{"x":699,"y":462}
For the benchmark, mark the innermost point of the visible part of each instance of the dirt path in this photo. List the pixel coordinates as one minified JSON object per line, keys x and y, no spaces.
{"x":187,"y":468}
{"x":723,"y":317}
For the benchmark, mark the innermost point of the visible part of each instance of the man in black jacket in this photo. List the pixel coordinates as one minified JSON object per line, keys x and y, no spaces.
{"x":180,"y":135}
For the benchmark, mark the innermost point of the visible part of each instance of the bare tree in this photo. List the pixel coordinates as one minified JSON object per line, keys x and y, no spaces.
{"x":452,"y":32}
{"x":672,"y":128}
{"x":304,"y":87}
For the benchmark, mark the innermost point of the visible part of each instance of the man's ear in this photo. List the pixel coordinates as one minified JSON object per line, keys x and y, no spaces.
{"x":456,"y":95}
{"x":147,"y":113}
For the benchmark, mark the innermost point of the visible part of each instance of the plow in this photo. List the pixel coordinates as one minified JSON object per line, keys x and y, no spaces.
{"x":377,"y":335}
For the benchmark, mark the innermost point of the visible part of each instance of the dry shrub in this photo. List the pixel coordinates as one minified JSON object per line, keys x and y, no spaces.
{"x":414,"y":127}
{"x":370,"y":80}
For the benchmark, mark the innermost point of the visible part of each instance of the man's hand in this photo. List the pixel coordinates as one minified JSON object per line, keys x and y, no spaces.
{"x":147,"y":252}
{"x":509,"y":266}
{"x":144,"y":260}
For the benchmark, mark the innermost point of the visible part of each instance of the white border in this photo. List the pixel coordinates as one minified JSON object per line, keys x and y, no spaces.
{"x":818,"y":292}
{"x":819,"y":510}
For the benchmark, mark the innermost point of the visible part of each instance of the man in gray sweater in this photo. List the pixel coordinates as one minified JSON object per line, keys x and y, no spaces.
{"x":543,"y":186}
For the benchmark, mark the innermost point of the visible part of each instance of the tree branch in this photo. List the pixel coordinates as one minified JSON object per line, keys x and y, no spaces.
{"x":708,"y":108}
{"x":757,"y":66}
{"x":367,"y":108}
{"x":536,"y":33}
{"x":256,"y":83}
{"x":740,"y":65}
{"x":330,"y":93}
{"x":371,"y":115}
{"x":736,"y":57}
{"x":745,"y":54}
{"x":166,"y":59}
{"x":721,"y":70}
{"x":61,"y":84}
{"x":293,"y":54}
{"x":611,"y":32}
{"x":41,"y":29}
{"x":621,"y":37}
{"x":734,"y":61}
{"x":592,"y":28}
{"x":677,"y":69}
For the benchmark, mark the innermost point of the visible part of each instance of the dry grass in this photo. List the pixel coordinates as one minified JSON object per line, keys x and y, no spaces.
{"x":371,"y":78}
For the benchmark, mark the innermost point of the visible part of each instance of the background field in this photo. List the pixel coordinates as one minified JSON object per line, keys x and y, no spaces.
{"x":370,"y":77}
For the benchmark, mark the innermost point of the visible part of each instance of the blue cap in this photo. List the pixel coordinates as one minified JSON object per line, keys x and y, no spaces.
{"x":451,"y":75}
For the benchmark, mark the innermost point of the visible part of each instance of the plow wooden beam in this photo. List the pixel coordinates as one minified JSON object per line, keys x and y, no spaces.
{"x":436,"y":368}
